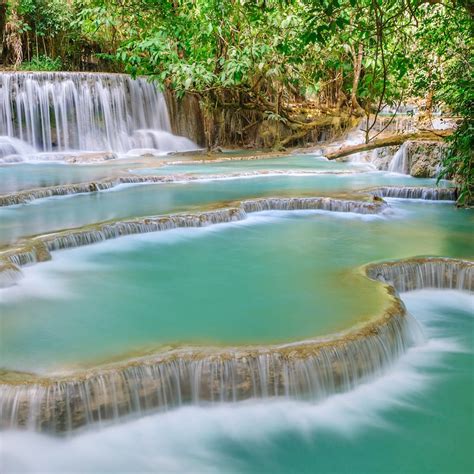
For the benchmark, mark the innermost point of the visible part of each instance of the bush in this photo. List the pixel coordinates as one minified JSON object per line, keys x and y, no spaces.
{"x":42,"y":63}
{"x":459,"y":162}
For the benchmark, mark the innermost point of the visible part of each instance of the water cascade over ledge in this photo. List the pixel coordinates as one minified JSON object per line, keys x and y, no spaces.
{"x":415,"y":192}
{"x":29,"y":195}
{"x":399,"y":162}
{"x":38,"y":249}
{"x":26,"y":196}
{"x":60,"y":111}
{"x":311,"y":369}
{"x":418,"y":273}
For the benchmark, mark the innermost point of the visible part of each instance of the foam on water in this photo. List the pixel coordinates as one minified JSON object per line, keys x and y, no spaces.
{"x":46,"y":281}
{"x":430,"y":307}
{"x":338,"y":215}
{"x":11,"y":148}
{"x":190,"y":439}
{"x":425,"y":201}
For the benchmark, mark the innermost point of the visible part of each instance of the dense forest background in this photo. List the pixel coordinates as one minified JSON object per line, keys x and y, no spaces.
{"x":297,"y":64}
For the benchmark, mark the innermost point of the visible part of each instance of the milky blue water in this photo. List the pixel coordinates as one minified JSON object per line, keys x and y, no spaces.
{"x":418,"y":418}
{"x":289,"y":163}
{"x":125,"y":201}
{"x":275,"y":277}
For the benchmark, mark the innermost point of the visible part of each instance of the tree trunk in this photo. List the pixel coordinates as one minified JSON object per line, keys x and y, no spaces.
{"x":355,"y":83}
{"x":397,"y":139}
{"x":429,"y":105}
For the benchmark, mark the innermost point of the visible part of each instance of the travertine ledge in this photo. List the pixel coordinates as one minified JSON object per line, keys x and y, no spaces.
{"x":415,"y":192}
{"x":308,"y":369}
{"x":29,"y":195}
{"x":37,"y":249}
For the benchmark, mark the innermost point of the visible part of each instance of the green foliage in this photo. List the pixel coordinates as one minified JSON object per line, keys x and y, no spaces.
{"x":445,"y":55}
{"x":267,"y":56}
{"x":42,"y":63}
{"x":457,"y":92}
{"x":47,"y":17}
{"x":211,"y":44}
{"x":459,"y":161}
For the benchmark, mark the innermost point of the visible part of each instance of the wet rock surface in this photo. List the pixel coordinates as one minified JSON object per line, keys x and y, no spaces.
{"x":425,"y":158}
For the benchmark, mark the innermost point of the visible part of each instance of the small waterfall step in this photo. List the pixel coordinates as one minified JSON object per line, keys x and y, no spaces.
{"x":312,"y":369}
{"x":416,"y":192}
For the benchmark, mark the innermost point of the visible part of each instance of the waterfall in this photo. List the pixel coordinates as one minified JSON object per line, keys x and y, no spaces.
{"x":23,"y":197}
{"x":400,"y":162}
{"x":102,"y":232}
{"x":114,"y":230}
{"x":307,"y":370}
{"x":39,"y":249}
{"x":20,"y":257}
{"x":415,"y":274}
{"x":12,"y":148}
{"x":401,"y":123}
{"x":415,"y":192}
{"x":325,"y":204}
{"x":310,"y":369}
{"x":60,"y":111}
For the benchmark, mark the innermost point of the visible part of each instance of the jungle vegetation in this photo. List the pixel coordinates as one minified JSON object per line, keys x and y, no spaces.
{"x":294,"y":63}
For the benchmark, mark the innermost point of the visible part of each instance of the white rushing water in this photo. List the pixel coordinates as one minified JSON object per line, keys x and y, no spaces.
{"x":233,"y":376}
{"x":60,"y":112}
{"x":399,"y":162}
{"x":190,"y":439}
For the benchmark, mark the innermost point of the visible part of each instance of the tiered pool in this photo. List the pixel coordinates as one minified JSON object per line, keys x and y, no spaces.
{"x":124,"y":201}
{"x":274,"y":277}
{"x":232,"y":336}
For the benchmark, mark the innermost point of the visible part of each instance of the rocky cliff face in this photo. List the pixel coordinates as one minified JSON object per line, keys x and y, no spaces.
{"x":186,"y":117}
{"x":425,"y":158}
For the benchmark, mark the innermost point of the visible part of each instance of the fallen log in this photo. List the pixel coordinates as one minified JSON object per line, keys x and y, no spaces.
{"x":391,"y":140}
